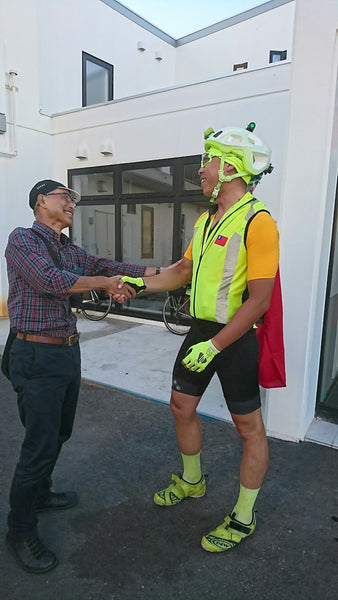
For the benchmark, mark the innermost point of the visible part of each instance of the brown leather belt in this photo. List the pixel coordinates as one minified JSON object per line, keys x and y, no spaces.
{"x":42,"y":339}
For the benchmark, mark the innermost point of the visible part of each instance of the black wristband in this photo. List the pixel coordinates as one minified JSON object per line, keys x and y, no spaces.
{"x":158,"y":270}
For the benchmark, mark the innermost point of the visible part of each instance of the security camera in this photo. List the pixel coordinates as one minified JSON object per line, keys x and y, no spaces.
{"x":12,"y":72}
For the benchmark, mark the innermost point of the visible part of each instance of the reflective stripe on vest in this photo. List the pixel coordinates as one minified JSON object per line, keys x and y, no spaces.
{"x":220,"y":262}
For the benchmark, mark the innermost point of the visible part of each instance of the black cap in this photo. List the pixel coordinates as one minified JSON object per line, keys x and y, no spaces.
{"x":45,"y":187}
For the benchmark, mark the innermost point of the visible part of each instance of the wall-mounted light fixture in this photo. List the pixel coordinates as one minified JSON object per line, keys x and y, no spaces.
{"x":107,"y":148}
{"x":158,"y":56}
{"x":82,"y":152}
{"x":141,"y":46}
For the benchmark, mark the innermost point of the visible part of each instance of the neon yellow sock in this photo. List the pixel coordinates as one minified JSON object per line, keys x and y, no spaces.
{"x":245,"y":504}
{"x":191,"y":467}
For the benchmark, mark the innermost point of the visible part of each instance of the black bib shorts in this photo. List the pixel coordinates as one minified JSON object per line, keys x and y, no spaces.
{"x":236,"y":367}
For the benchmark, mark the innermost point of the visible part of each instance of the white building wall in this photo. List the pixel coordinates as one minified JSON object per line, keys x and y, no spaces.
{"x":65,"y":29}
{"x":248,"y":41}
{"x":26,"y":149}
{"x":170,"y":123}
{"x":309,"y":184}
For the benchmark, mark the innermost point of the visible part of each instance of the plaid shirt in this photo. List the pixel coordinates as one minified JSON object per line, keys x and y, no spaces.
{"x":37,"y":300}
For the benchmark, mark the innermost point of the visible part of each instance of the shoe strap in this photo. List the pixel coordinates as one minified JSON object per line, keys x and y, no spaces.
{"x":236,"y":525}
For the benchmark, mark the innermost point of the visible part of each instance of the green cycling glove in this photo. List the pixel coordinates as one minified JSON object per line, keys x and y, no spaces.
{"x":199,"y":356}
{"x":136,"y":283}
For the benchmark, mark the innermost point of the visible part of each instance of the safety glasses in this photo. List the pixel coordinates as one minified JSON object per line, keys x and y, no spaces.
{"x":207,"y":157}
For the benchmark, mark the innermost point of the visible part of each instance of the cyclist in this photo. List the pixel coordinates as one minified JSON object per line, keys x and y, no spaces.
{"x":231,"y":261}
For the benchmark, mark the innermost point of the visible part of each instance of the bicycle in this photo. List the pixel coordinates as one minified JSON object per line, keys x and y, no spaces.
{"x":176,"y":311}
{"x":95,"y":305}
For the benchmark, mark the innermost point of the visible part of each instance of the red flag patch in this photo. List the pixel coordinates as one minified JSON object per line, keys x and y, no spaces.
{"x":221,"y":240}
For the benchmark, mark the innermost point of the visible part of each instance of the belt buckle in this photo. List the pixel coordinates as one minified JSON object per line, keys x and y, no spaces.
{"x":72,"y":339}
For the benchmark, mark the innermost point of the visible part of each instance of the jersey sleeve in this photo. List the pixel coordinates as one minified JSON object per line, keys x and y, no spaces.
{"x":262,"y":245}
{"x":188,"y":252}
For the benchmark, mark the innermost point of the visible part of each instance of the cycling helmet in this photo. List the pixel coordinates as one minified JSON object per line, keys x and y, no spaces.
{"x":241,"y":148}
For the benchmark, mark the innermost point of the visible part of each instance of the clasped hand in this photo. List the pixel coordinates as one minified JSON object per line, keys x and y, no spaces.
{"x":199,"y":356}
{"x":119,"y":290}
{"x":136,"y":283}
{"x":126,"y":287}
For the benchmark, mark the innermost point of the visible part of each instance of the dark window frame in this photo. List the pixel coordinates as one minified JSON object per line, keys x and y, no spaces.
{"x":240,"y":66}
{"x":281,"y":53}
{"x":86,"y":57}
{"x":322,"y":409}
{"x":176,"y":196}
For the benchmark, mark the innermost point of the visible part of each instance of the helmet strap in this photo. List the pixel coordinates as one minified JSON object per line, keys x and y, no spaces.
{"x":224,"y":178}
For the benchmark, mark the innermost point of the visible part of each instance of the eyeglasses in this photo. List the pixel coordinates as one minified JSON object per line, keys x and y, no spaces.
{"x":65,"y":196}
{"x":207,"y":157}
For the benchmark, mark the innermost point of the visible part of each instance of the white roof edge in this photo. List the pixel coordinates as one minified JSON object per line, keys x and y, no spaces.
{"x":177,"y":86}
{"x":243,"y":16}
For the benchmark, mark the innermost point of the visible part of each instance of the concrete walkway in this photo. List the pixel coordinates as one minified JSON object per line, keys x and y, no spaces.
{"x":137,"y":356}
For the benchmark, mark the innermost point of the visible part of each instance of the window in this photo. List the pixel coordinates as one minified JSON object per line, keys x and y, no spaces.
{"x":191,"y":177}
{"x":139,"y":213}
{"x":94,"y":184}
{"x":327,"y":402}
{"x":147,"y":181}
{"x":240,"y":66}
{"x":97,"y":80}
{"x":277,"y":55}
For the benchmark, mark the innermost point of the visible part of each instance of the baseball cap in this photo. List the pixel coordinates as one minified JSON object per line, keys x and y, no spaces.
{"x":45,"y":187}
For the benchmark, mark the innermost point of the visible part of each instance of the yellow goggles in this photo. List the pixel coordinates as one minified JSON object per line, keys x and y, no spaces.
{"x":208,"y":156}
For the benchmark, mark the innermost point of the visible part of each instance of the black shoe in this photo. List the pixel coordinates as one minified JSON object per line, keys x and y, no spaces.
{"x":31,"y":554}
{"x":58,"y":501}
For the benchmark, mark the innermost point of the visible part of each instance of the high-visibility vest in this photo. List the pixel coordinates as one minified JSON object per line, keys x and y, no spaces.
{"x":220,"y":266}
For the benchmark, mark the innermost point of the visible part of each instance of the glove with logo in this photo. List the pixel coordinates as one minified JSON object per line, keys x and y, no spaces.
{"x":136,"y":283}
{"x":199,"y":356}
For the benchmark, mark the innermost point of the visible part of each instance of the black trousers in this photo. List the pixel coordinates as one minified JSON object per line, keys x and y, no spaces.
{"x":47,"y":379}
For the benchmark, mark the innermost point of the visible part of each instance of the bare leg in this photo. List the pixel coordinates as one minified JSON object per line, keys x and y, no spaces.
{"x":187,"y":422}
{"x":255,"y":457}
{"x":189,"y":439}
{"x":241,"y":522}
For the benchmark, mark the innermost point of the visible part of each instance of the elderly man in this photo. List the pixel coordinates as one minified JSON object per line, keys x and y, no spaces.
{"x":44,"y":362}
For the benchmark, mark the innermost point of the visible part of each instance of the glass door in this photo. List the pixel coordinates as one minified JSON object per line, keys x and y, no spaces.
{"x":328,"y":376}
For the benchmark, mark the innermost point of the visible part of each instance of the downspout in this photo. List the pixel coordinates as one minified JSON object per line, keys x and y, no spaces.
{"x":12,"y":89}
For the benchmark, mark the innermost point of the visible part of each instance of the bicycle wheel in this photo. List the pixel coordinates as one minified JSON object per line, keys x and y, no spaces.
{"x":176,"y":315}
{"x":97,"y":306}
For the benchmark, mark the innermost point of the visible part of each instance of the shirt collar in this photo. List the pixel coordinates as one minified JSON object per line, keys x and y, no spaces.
{"x":50,"y":234}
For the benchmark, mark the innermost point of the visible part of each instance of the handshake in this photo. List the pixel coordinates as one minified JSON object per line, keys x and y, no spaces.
{"x":124,"y":288}
{"x":136,"y":283}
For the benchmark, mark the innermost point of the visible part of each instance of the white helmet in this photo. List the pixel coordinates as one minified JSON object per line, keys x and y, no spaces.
{"x":242,"y":148}
{"x":254,"y":153}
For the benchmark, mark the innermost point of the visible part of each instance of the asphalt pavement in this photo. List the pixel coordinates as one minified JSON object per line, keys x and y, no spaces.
{"x":116,"y":544}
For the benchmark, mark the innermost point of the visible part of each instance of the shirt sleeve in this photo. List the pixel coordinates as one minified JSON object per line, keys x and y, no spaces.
{"x":34,"y":266}
{"x":262,"y":247}
{"x":93,"y":265}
